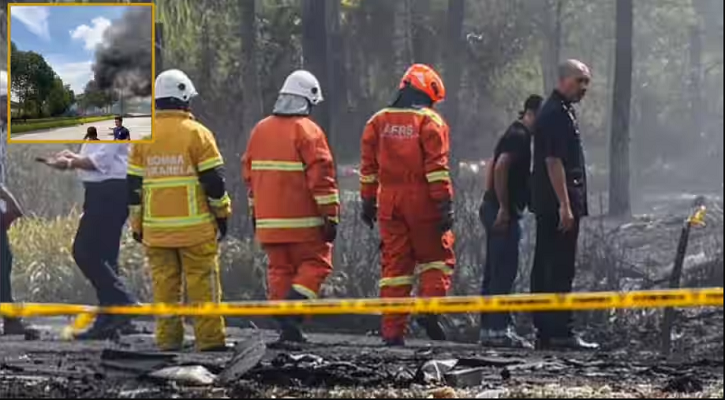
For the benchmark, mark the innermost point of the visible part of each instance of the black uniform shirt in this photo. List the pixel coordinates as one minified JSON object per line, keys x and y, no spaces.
{"x":517,"y":142}
{"x":557,"y":135}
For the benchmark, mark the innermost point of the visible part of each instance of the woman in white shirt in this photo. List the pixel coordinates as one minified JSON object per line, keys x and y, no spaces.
{"x":102,"y":169}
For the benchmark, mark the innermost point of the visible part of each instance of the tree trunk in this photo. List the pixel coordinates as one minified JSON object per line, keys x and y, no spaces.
{"x":159,"y":48}
{"x":454,"y":52}
{"x":252,"y":108}
{"x":314,"y":51}
{"x":619,"y":199}
{"x":402,"y":36}
{"x":336,"y":81}
{"x":422,"y":33}
{"x":551,"y":48}
{"x":3,"y":32}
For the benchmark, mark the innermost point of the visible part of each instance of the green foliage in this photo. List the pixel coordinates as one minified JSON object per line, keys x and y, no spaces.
{"x":53,"y":123}
{"x":40,"y":90}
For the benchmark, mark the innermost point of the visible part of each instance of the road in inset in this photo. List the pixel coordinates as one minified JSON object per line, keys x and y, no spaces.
{"x":139,"y":127}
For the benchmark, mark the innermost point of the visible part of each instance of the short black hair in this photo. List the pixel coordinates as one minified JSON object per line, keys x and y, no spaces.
{"x":533,"y":103}
{"x":119,"y":118}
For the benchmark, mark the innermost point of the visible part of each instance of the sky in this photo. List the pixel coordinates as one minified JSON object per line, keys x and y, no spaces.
{"x":65,"y":36}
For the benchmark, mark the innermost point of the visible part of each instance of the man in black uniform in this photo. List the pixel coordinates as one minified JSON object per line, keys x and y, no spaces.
{"x":508,"y":185}
{"x":559,"y":202}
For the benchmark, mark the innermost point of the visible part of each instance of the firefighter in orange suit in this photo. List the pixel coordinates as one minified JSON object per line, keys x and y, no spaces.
{"x":406,"y":187}
{"x":179,"y":211}
{"x":295,"y":205}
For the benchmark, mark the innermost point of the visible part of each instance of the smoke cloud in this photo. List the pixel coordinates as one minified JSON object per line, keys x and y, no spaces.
{"x":123,"y":60}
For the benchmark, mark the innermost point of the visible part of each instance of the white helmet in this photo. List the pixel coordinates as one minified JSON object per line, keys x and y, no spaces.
{"x":303,"y":83}
{"x":174,"y":83}
{"x":3,"y":83}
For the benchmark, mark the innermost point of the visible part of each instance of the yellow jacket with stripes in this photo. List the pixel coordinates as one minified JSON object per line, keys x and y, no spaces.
{"x":291,"y":180}
{"x":174,"y":209}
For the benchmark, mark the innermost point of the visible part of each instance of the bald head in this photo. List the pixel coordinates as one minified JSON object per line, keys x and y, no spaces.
{"x":574,"y":77}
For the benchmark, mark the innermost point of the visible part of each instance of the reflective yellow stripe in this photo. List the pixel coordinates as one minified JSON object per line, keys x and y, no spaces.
{"x":135,"y":170}
{"x":309,"y":293}
{"x":170,"y":182}
{"x":335,"y":219}
{"x":134,"y":210}
{"x":176,"y":222}
{"x":368,"y":178}
{"x":405,"y":280}
{"x":438,"y":176}
{"x":427,"y":112}
{"x":209,"y":164}
{"x":439,"y":265}
{"x":328,"y":199}
{"x":277,"y":166}
{"x":289,"y":223}
{"x":219,"y":203}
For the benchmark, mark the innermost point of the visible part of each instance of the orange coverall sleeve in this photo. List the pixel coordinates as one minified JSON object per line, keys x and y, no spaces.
{"x":319,"y":171}
{"x":436,"y":150}
{"x":369,"y":162}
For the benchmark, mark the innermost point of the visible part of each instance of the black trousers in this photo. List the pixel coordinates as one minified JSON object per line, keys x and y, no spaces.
{"x":553,"y":272}
{"x":97,"y":242}
{"x":502,"y":263}
{"x":6,"y":266}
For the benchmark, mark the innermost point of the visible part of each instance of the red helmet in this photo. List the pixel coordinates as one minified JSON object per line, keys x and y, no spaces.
{"x":425,"y":79}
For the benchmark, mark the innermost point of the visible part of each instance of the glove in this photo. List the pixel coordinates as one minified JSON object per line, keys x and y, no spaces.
{"x":138,"y":236}
{"x":370,"y":212}
{"x":446,"y":212}
{"x":329,"y":230}
{"x":254,"y":224}
{"x":221,"y":224}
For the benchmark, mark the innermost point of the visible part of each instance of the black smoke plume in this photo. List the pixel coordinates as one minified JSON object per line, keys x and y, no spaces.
{"x":123,"y":60}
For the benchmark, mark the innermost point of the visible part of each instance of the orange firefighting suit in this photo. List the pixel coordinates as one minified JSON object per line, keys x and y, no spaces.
{"x":290,"y":176}
{"x":405,"y":166}
{"x":177,"y":197}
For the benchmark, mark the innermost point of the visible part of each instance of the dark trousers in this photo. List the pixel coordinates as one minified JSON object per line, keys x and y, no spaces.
{"x":6,"y":267}
{"x":98,"y":240}
{"x":553,"y":272}
{"x":502,"y":263}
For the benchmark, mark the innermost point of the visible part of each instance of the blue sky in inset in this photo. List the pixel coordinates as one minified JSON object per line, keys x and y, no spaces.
{"x":66,"y":36}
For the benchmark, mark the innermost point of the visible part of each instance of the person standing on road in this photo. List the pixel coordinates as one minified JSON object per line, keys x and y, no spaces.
{"x":291,"y":180}
{"x":503,"y":205}
{"x":9,"y":211}
{"x":179,"y":211}
{"x":119,"y":131}
{"x":406,"y":186}
{"x":102,"y":169}
{"x":559,"y":201}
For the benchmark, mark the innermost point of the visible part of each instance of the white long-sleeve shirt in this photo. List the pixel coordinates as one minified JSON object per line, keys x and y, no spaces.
{"x":110,"y":160}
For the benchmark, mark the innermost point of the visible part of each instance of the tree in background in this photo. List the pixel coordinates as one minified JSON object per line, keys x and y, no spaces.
{"x":40,"y":91}
{"x":619,"y":181}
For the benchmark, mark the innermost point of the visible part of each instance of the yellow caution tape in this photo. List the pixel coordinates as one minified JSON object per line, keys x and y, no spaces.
{"x":433,"y":305}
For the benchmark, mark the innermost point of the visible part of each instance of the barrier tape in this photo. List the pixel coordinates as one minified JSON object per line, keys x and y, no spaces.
{"x":433,"y":305}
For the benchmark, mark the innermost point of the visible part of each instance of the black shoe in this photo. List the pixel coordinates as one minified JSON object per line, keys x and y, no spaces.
{"x":433,"y":327}
{"x":573,"y":342}
{"x":394,"y":342}
{"x":504,"y":338}
{"x":16,"y":326}
{"x":105,"y":327}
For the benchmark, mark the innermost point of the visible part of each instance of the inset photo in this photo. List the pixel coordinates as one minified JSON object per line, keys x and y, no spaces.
{"x":75,"y":66}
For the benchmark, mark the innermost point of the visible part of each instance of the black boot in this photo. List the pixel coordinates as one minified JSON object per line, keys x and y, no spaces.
{"x":289,"y":325}
{"x":105,"y":327}
{"x":432,"y":326}
{"x":16,"y":326}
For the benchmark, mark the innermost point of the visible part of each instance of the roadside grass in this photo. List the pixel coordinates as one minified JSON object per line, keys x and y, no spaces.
{"x":51,"y":123}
